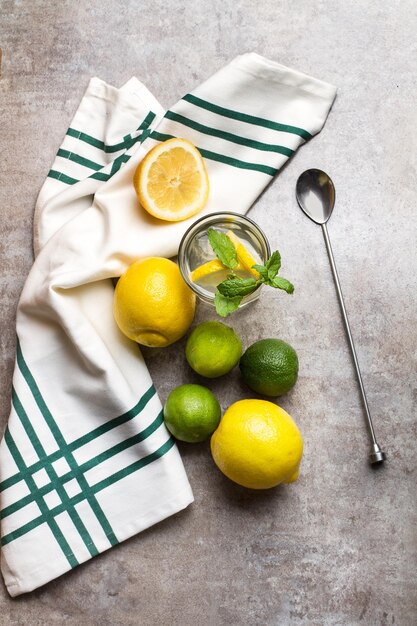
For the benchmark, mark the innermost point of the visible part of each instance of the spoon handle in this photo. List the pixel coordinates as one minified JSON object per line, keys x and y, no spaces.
{"x":377,"y":455}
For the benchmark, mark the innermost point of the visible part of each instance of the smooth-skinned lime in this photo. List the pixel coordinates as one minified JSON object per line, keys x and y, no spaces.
{"x":191,"y":413}
{"x":213,"y":349}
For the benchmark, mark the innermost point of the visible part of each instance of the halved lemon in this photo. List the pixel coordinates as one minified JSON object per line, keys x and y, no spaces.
{"x":245,"y":258}
{"x":171,"y":181}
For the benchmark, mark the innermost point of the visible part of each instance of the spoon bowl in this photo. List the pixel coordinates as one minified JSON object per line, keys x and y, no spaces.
{"x":316,"y":195}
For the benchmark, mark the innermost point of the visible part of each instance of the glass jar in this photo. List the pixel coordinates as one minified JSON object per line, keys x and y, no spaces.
{"x":195,"y":250}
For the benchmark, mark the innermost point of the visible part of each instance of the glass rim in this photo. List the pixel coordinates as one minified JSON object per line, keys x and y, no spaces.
{"x":187,"y":237}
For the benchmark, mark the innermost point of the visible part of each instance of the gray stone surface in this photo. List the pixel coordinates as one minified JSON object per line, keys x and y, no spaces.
{"x":338,"y":548}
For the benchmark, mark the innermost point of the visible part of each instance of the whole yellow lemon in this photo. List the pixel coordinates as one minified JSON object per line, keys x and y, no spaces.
{"x":257,"y":445}
{"x":152,"y":303}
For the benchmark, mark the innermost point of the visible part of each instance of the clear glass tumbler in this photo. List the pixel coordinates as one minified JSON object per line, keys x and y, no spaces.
{"x":195,"y":250}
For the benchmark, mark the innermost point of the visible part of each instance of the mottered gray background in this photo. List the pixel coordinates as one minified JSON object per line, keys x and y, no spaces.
{"x":339,"y":547}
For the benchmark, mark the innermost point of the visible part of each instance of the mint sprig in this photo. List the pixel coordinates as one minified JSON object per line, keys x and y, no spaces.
{"x":230,"y":292}
{"x":273,"y":264}
{"x":234,"y":286}
{"x":281,"y":283}
{"x":223,"y":248}
{"x":225,"y":306}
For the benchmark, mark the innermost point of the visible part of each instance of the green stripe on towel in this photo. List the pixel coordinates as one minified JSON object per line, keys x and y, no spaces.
{"x":67,"y":454}
{"x":244,"y":117}
{"x":84,"y":467}
{"x":215,"y":156}
{"x":84,"y":439}
{"x":100,"y":486}
{"x":76,"y":471}
{"x":115,"y":166}
{"x":62,"y":177}
{"x":56,"y":485}
{"x":127,"y":142}
{"x":215,"y":132}
{"x":47,"y":516}
{"x":71,"y":156}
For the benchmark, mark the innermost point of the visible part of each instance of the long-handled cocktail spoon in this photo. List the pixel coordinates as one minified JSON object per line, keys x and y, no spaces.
{"x":316,"y":196}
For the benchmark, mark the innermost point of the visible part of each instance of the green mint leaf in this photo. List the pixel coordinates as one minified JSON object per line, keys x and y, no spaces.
{"x":273,"y":264}
{"x":223,"y":248}
{"x":234,"y":287}
{"x":230,"y":292}
{"x":225,"y":306}
{"x":281,"y":283}
{"x":261,"y":269}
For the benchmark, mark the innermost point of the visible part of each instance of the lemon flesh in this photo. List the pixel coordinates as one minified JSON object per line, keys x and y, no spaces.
{"x":152,"y":303}
{"x":257,"y":445}
{"x":211,"y":267}
{"x":171,"y":181}
{"x":246,"y":260}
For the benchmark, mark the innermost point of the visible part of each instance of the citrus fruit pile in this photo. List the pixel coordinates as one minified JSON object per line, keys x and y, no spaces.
{"x":256,"y":443}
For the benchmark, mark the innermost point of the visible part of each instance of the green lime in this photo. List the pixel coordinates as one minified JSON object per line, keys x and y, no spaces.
{"x":270,"y":367}
{"x":191,"y":413}
{"x":213,"y":349}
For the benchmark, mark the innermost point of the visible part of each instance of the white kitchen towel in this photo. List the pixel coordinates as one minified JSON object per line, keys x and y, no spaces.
{"x":86,"y":461}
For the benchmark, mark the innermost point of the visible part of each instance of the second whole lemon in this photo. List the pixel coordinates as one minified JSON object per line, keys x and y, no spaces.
{"x":152,"y":303}
{"x":257,"y":445}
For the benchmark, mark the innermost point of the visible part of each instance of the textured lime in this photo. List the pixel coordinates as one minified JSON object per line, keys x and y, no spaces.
{"x":270,"y":367}
{"x":191,"y":413}
{"x":213,"y":349}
